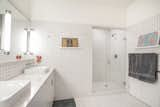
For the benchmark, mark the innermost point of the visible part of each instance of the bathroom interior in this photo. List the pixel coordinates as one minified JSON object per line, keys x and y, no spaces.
{"x":83,"y":53}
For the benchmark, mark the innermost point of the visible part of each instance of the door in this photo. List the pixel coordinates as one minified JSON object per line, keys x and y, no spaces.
{"x":101,"y":52}
{"x":118,"y":54}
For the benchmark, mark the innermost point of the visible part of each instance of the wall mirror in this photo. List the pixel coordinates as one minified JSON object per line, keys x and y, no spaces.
{"x":14,"y":42}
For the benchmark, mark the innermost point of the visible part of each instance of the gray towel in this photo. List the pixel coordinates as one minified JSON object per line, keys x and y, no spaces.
{"x":143,"y":66}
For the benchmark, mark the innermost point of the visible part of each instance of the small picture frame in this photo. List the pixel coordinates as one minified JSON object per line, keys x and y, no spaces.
{"x":149,"y":40}
{"x":69,"y":42}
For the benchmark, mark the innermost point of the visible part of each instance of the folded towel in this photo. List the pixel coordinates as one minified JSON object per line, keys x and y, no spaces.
{"x":143,"y":66}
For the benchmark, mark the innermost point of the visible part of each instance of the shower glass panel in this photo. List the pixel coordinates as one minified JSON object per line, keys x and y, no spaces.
{"x":108,"y":59}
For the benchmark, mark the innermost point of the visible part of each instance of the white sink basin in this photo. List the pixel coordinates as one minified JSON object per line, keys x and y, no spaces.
{"x":11,"y":92}
{"x":37,"y":70}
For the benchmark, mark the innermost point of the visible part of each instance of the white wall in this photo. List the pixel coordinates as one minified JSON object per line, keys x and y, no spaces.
{"x":74,"y":66}
{"x":78,"y":12}
{"x":140,"y":10}
{"x":101,"y":54}
{"x":146,"y":92}
{"x":141,"y":21}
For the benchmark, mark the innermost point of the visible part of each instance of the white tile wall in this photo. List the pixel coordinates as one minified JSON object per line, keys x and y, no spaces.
{"x":148,"y":93}
{"x":11,"y":69}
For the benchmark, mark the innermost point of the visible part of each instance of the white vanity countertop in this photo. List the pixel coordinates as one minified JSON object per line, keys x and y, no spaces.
{"x":37,"y":82}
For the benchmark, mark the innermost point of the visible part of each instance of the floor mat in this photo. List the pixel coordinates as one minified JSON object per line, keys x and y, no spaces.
{"x":64,"y":103}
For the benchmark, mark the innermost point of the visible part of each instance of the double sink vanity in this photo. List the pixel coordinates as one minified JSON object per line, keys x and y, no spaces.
{"x":19,"y":87}
{"x":33,"y":88}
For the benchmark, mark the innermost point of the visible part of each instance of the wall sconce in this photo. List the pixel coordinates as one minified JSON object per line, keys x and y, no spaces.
{"x":6,"y":32}
{"x":28,"y":31}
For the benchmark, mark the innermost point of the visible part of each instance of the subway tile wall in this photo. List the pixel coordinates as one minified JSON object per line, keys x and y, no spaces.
{"x":148,"y":93}
{"x":12,"y":69}
{"x":149,"y":25}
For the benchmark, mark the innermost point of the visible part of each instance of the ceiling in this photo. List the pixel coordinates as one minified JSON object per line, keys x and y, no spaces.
{"x":113,"y":3}
{"x":26,"y":6}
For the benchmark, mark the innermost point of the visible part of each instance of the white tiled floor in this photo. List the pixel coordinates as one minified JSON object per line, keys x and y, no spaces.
{"x":109,"y":100}
{"x":101,"y":88}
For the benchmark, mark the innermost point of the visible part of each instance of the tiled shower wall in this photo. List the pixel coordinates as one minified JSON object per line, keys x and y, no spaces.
{"x":146,"y":92}
{"x":147,"y":26}
{"x":12,"y":69}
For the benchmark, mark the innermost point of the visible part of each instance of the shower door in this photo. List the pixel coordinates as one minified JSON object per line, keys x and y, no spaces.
{"x":109,"y":52}
{"x":118,"y":57}
{"x":101,"y":52}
